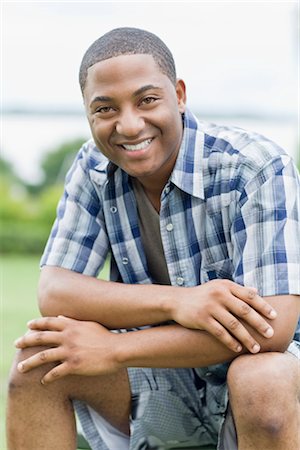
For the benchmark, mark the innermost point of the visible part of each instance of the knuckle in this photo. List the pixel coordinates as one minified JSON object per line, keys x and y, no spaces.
{"x":46,"y":322}
{"x":219,"y":331}
{"x":217,"y":290}
{"x":75,"y":361}
{"x":233,"y":324}
{"x":55,"y":373}
{"x":251,"y":294}
{"x":39,"y":337}
{"x":43,"y":356}
{"x":245,"y":309}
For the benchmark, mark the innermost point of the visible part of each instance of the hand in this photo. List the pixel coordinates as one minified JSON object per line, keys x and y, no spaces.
{"x":82,"y":348}
{"x":217,"y":306}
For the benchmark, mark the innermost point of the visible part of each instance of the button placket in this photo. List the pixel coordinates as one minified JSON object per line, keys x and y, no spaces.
{"x":168,"y":233}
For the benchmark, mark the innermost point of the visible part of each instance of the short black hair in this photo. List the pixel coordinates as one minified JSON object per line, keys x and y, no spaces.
{"x":128,"y":41}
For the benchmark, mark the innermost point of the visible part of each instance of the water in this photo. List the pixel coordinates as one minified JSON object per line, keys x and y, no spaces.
{"x":26,"y":138}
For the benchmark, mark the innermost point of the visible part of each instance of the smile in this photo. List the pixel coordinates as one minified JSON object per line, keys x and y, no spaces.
{"x":141,"y":146}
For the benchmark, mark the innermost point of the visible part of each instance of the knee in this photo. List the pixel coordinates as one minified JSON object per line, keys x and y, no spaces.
{"x":261,"y":387}
{"x":19,"y":382}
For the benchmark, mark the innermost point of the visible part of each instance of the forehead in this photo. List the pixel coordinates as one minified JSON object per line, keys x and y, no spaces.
{"x":123,"y":71}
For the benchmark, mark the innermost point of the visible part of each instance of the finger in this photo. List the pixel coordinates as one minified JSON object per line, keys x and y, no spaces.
{"x":253,"y":318}
{"x":40,"y":358}
{"x":237,"y":330}
{"x":56,"y":373}
{"x":36,"y":338}
{"x":216,"y":329}
{"x":250,"y":296}
{"x":47,"y":323}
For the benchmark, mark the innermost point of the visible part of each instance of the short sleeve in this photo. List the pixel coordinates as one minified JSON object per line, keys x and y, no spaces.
{"x":78,"y":239}
{"x":266,"y":230}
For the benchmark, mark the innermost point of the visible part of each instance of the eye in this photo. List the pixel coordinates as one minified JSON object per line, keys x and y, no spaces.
{"x":104,"y":109}
{"x":148,"y":100}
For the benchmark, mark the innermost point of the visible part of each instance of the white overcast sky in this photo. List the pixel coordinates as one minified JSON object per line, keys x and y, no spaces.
{"x":233,"y":55}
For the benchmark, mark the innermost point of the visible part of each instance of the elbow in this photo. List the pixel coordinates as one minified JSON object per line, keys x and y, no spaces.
{"x":276,"y":345}
{"x":284,"y":326}
{"x":279,"y":342}
{"x":47,"y":295}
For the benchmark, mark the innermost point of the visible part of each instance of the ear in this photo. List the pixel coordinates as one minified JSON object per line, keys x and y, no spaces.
{"x":181,"y":95}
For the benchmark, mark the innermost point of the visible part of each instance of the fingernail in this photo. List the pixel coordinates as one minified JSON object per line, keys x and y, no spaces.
{"x":238,"y":348}
{"x":269,"y":333}
{"x":21,"y":367}
{"x":17,"y":342}
{"x":273,"y":314}
{"x":42,"y":382}
{"x":255,"y":348}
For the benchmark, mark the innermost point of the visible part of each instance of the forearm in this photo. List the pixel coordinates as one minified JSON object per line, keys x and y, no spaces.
{"x":177,"y":346}
{"x":170,"y":346}
{"x":87,"y":348}
{"x":114,"y":305}
{"x":220,"y":307}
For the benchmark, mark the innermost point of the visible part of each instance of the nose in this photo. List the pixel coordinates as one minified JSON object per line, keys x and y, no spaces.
{"x":129,"y":123}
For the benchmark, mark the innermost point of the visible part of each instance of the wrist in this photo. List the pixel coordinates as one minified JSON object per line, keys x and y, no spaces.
{"x":169,"y":302}
{"x":122,"y":349}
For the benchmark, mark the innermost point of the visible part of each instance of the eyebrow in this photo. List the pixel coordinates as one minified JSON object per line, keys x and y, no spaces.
{"x":101,"y":98}
{"x":141,"y":90}
{"x":145,"y":88}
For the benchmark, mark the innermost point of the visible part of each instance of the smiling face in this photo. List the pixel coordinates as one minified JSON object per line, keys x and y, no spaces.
{"x":134,"y":112}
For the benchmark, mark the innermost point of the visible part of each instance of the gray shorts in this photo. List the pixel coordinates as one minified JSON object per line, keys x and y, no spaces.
{"x":174,"y":408}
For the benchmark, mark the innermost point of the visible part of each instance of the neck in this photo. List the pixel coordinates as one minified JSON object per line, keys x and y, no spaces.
{"x":153,"y":192}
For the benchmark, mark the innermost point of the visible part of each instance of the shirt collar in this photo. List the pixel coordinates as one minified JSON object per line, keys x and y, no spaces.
{"x":187,"y":173}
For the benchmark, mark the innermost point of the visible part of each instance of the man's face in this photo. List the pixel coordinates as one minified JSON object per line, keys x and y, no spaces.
{"x":134,"y":112}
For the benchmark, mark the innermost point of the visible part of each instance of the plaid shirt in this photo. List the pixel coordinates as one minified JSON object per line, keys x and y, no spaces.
{"x":231,"y":209}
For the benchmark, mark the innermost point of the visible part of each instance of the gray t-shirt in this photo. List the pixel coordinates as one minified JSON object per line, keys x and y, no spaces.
{"x":150,"y":235}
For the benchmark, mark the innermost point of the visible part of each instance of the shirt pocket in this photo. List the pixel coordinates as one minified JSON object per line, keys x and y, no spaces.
{"x":222,"y":269}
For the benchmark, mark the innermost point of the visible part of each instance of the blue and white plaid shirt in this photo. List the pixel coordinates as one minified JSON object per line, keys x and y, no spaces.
{"x":231,"y":209}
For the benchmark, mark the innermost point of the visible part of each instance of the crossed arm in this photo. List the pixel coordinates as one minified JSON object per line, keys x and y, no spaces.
{"x":214,"y":322}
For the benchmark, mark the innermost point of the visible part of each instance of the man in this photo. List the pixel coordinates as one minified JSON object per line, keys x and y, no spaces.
{"x":202,"y":223}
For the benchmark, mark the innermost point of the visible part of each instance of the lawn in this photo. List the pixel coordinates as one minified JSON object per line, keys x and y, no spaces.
{"x":19,"y":277}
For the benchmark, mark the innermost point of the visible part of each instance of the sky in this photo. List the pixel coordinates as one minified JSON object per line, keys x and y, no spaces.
{"x":235,"y":56}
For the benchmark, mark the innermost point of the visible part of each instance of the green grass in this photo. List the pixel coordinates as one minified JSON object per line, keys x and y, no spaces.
{"x":19,"y":276}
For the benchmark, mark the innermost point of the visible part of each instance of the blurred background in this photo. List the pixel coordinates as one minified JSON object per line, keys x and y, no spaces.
{"x":238,"y":59}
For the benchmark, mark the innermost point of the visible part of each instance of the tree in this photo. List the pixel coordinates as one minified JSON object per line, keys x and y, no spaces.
{"x":56,"y":163}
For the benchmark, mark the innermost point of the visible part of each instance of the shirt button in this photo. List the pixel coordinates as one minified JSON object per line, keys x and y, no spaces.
{"x":125,"y":260}
{"x":167,"y":189}
{"x":179,"y":281}
{"x":169,"y":227}
{"x":113,"y":209}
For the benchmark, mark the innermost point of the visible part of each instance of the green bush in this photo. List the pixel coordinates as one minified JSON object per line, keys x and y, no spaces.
{"x":28,"y":212}
{"x":26,"y":219}
{"x":23,"y":238}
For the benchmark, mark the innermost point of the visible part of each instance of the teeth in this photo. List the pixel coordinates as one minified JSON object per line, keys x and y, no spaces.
{"x":140,"y":146}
